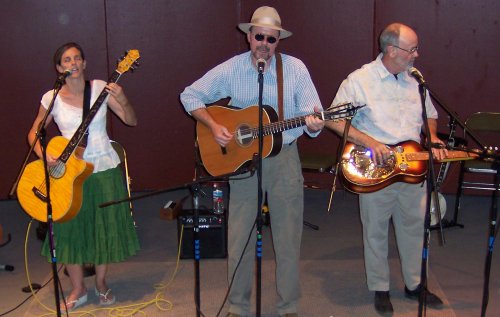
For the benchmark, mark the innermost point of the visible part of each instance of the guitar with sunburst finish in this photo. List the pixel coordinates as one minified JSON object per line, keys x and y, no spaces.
{"x":407,"y":163}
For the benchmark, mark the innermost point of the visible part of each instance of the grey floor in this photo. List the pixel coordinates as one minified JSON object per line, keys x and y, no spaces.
{"x":332,"y":273}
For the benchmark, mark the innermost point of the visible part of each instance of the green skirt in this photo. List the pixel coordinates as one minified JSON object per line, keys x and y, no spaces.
{"x":97,"y":235}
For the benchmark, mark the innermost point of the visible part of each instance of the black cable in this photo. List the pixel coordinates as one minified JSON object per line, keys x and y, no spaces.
{"x":31,"y":295}
{"x":236,"y":268}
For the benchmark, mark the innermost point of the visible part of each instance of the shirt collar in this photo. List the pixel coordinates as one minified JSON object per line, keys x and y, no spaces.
{"x":384,"y":73}
{"x":271,"y":69}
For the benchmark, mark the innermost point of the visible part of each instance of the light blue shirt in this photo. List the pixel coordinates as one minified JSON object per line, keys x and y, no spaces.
{"x":393,"y":111}
{"x":237,"y":78}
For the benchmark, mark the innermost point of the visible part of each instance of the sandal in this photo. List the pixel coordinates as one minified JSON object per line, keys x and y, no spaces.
{"x":74,"y":304}
{"x":105,"y":298}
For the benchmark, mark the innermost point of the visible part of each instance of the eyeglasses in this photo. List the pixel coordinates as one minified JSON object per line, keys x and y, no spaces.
{"x":270,"y":39}
{"x":410,"y":51}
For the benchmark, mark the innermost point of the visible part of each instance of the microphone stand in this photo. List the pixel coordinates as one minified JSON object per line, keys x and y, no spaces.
{"x":493,"y":221}
{"x":453,"y":117}
{"x":338,"y":166}
{"x":431,"y":186}
{"x":196,"y":248}
{"x":195,"y":190}
{"x":493,"y":231}
{"x":194,"y":187}
{"x":258,"y":252}
{"x":40,"y":136}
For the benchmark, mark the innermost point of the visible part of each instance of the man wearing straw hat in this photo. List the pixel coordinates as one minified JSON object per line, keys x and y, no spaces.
{"x":282,"y":177}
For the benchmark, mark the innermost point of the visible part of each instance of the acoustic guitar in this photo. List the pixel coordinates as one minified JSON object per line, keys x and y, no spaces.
{"x":407,"y":163}
{"x":243,"y":123}
{"x":70,"y":171}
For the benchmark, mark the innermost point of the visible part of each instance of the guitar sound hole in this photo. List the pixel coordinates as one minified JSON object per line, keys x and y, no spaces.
{"x":244,"y":135}
{"x":58,"y":170}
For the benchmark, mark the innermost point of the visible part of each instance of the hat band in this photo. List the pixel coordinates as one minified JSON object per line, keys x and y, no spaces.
{"x":267,"y":20}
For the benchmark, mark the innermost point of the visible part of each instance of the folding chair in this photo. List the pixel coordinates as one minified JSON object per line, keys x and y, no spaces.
{"x":481,"y":123}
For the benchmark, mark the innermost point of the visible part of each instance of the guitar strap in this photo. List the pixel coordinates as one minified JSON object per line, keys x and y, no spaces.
{"x":86,"y":109}
{"x":279,"y":76}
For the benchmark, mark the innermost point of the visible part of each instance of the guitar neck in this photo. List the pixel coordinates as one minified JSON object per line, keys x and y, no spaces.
{"x":280,"y":126}
{"x":452,"y":156}
{"x":80,"y":132}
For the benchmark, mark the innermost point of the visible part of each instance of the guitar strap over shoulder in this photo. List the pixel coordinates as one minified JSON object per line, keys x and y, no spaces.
{"x":86,"y":109}
{"x":279,"y":75}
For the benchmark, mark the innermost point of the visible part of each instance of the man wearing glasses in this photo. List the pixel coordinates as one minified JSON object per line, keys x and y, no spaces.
{"x":393,"y":114}
{"x":282,"y":177}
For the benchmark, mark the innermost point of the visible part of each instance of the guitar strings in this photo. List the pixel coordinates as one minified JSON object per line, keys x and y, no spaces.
{"x":274,"y":127}
{"x":53,"y":170}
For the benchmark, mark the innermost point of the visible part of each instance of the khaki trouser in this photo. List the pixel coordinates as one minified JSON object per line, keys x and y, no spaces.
{"x":405,"y":204}
{"x":283,"y":181}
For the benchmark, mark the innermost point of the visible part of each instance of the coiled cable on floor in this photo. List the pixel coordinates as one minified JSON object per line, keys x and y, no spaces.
{"x":159,"y":301}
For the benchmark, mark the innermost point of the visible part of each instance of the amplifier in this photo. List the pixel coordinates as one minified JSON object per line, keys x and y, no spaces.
{"x":212,"y":235}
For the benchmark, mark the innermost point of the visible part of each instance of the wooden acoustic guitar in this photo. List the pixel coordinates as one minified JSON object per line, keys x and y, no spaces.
{"x":243,"y":123}
{"x":70,"y":171}
{"x":407,"y":163}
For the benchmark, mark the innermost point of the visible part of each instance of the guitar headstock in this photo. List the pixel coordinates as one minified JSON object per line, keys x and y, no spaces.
{"x":341,"y":111}
{"x":128,"y":62}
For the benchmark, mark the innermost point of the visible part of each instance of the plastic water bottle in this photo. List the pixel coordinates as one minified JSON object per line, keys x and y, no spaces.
{"x":218,"y":200}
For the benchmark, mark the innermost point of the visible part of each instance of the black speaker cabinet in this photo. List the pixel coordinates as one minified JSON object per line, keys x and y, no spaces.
{"x":212,"y":234}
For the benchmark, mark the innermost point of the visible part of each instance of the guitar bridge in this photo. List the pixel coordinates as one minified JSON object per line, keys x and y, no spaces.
{"x":39,"y":194}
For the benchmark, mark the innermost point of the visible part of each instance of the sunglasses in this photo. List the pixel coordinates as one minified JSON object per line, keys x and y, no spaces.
{"x":270,"y":39}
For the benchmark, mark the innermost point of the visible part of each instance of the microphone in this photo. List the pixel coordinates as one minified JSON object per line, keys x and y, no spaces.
{"x":261,"y":64}
{"x":415,"y":73}
{"x":6,"y":267}
{"x":64,"y":74}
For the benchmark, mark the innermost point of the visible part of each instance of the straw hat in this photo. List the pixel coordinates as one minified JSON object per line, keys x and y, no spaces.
{"x":266,"y":17}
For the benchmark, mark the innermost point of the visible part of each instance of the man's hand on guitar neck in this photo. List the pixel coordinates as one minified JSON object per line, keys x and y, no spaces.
{"x":439,"y":152}
{"x":314,"y":124}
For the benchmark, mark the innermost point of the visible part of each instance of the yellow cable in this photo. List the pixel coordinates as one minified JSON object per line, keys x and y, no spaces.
{"x":160,"y":286}
{"x":122,"y":311}
{"x":33,"y":293}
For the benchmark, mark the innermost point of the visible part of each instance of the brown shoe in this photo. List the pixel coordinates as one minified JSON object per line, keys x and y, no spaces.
{"x":290,"y":315}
